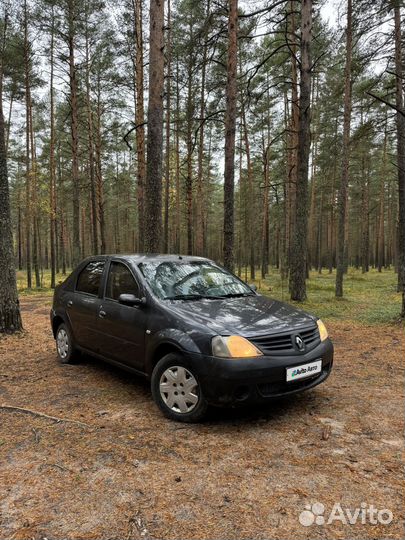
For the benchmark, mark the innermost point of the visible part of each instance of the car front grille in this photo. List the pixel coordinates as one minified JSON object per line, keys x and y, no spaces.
{"x":284,"y":343}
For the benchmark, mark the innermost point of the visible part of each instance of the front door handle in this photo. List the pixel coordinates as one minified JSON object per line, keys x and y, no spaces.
{"x":102,"y":313}
{"x":70,"y":303}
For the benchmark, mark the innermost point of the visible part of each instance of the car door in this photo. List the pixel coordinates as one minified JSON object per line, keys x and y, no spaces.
{"x":121,"y":328}
{"x":83,"y":305}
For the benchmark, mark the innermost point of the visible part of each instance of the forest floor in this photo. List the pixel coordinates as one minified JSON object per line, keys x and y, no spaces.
{"x":113,"y":467}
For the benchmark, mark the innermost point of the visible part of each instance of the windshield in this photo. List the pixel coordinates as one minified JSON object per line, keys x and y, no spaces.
{"x":191,"y":280}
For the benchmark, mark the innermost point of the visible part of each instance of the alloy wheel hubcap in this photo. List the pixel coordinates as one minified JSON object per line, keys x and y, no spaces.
{"x":179,"y":389}
{"x":62,"y":343}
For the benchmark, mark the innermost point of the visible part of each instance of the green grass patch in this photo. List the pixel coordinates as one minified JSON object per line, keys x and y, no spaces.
{"x":370,"y":298}
{"x":44,"y":289}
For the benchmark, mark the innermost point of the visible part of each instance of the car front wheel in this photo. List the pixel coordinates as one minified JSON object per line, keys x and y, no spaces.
{"x":176,"y":389}
{"x":65,"y":346}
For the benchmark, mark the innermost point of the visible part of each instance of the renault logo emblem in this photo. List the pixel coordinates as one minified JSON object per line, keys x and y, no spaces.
{"x":300,"y":344}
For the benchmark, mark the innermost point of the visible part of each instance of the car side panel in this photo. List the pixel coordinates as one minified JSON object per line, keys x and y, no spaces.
{"x":82,"y":312}
{"x":80,"y":309}
{"x":121,"y":333}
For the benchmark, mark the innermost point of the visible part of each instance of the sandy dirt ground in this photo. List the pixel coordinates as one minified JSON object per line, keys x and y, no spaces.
{"x":115,"y":468}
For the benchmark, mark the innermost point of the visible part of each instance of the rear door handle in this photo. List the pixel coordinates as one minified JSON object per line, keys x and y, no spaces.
{"x":102,"y":313}
{"x":70,"y":303}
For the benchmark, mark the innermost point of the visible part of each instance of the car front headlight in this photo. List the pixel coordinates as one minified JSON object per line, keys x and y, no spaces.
{"x":323,"y":333}
{"x":234,"y":347}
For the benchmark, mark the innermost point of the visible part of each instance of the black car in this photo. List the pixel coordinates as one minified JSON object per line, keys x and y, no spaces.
{"x":199,"y":333}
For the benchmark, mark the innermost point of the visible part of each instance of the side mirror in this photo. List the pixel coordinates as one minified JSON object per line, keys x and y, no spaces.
{"x":131,"y":300}
{"x":253,"y":286}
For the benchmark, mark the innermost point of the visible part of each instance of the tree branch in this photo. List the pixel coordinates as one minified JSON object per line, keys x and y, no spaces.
{"x":391,"y":105}
{"x":125,"y":137}
{"x":9,"y":408}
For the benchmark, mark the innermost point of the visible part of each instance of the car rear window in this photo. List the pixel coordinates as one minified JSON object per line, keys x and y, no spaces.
{"x":90,"y":277}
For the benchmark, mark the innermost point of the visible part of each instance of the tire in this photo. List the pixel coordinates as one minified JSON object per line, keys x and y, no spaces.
{"x":183,"y":401}
{"x":65,"y":345}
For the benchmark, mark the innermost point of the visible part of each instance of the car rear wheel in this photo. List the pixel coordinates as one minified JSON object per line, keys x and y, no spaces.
{"x":65,"y":346}
{"x":176,"y":389}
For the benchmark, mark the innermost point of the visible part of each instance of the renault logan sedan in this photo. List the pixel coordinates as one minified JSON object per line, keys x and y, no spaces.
{"x":200,"y":334}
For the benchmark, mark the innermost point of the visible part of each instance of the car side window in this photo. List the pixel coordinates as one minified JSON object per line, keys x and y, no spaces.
{"x":120,"y":281}
{"x":90,"y":278}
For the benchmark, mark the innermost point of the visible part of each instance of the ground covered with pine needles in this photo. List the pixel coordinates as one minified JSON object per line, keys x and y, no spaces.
{"x":99,"y":460}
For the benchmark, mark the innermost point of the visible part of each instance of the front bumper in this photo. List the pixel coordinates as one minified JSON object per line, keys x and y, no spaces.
{"x":232,"y":382}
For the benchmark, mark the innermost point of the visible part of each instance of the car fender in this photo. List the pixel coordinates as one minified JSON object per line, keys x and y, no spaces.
{"x":172,"y":337}
{"x":60,"y":314}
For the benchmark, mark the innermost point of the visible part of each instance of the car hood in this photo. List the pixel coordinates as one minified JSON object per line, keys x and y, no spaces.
{"x":246,"y":316}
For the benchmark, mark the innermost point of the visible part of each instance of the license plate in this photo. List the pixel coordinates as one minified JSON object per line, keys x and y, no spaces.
{"x":304,"y":370}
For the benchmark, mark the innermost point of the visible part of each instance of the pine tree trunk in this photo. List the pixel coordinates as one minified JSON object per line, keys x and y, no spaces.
{"x":285,"y":243}
{"x":230,"y":128}
{"x":153,"y":187}
{"x":365,"y":220}
{"x":200,"y":232}
{"x":320,"y":235}
{"x":313,"y":233}
{"x":61,"y":212}
{"x":342,"y":195}
{"x":139,"y":122}
{"x":250,"y":195}
{"x":400,"y":153}
{"x":168,"y":106}
{"x":265,"y":218}
{"x":99,"y":172}
{"x":390,"y":231}
{"x":83,"y":220}
{"x":241,"y":206}
{"x":293,"y":133}
{"x":207,"y":209}
{"x":90,"y":137}
{"x":19,"y":233}
{"x":63,"y":242}
{"x":28,"y":213}
{"x":381,"y":213}
{"x":298,"y":268}
{"x":10,"y":318}
{"x":10,"y":110}
{"x":33,"y":171}
{"x":76,"y":251}
{"x":189,"y":177}
{"x":178,"y":194}
{"x":52,"y":170}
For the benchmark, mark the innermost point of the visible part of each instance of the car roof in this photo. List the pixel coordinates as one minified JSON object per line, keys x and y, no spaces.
{"x":149,"y":257}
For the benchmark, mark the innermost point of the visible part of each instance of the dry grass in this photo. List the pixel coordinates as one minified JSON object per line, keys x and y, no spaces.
{"x":130,"y":473}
